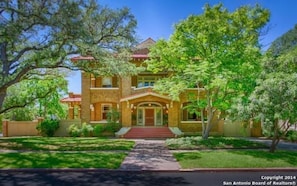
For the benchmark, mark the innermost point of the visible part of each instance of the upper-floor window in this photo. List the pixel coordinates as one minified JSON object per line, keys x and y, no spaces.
{"x":107,"y":82}
{"x":145,"y":81}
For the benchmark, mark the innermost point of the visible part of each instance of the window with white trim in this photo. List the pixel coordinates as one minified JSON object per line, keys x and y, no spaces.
{"x":107,"y":82}
{"x":146,"y":81}
{"x":105,"y":108}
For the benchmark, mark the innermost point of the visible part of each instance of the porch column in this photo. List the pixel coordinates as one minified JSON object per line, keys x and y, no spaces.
{"x":70,"y":112}
{"x":173,"y":114}
{"x":126,"y":114}
{"x":86,"y":97}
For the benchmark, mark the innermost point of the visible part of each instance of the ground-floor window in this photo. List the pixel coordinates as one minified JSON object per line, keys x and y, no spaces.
{"x":188,"y":115}
{"x":105,"y":108}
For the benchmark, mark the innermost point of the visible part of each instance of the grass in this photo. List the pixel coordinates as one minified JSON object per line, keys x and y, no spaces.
{"x":212,"y":143}
{"x":237,"y":159}
{"x":64,"y":144}
{"x":70,"y":152}
{"x":61,"y":160}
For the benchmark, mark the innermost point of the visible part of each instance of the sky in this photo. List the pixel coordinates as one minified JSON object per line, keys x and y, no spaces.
{"x":156,"y":19}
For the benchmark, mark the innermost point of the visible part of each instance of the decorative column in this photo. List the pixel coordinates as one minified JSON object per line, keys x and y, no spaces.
{"x":86,"y":97}
{"x":70,"y":112}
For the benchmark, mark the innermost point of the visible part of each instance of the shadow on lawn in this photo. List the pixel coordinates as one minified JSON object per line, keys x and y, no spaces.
{"x":286,"y":156}
{"x":64,"y":144}
{"x":62,"y":160}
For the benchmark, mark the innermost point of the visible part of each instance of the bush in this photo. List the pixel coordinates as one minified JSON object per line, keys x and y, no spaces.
{"x":112,"y":121}
{"x":48,"y":127}
{"x":74,"y":130}
{"x":98,"y":130}
{"x":112,"y":127}
{"x":291,"y":135}
{"x":85,"y":130}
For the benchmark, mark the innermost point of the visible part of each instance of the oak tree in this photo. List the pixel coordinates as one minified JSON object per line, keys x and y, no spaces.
{"x":43,"y":34}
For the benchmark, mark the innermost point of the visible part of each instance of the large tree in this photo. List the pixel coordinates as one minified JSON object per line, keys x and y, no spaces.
{"x":218,"y":52}
{"x":284,"y":43}
{"x":274,"y":100}
{"x":41,"y":34}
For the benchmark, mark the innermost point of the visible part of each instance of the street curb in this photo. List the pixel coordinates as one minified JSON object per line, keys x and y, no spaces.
{"x":152,"y":171}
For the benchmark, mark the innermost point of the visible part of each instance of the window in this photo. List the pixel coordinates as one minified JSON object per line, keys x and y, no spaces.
{"x":105,"y":109}
{"x":145,"y":81}
{"x":107,"y":82}
{"x":190,"y":116}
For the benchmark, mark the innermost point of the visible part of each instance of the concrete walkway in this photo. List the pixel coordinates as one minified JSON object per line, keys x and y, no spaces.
{"x":150,"y":155}
{"x":283,"y":145}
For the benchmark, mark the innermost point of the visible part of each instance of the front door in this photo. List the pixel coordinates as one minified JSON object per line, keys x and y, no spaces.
{"x":149,"y":117}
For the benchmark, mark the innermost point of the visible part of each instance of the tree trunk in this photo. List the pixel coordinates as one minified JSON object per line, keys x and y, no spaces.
{"x":2,"y":98}
{"x":276,"y":137}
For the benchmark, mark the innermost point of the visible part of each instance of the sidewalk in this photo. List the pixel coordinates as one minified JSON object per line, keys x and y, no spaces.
{"x":150,"y":155}
{"x":283,"y":145}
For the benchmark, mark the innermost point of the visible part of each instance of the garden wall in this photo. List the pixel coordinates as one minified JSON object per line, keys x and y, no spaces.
{"x":236,"y":129}
{"x":28,"y":128}
{"x":20,"y":128}
{"x":64,"y":125}
{"x":195,"y":127}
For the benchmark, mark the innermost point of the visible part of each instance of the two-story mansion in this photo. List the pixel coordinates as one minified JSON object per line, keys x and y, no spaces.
{"x":139,"y":105}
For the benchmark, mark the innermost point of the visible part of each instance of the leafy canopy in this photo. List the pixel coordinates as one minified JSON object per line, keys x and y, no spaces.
{"x":43,"y":34}
{"x":217,"y":51}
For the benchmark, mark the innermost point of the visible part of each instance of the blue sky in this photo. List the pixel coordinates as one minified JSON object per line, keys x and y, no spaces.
{"x":156,"y":18}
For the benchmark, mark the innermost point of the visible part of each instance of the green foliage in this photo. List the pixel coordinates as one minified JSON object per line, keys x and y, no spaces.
{"x":274,"y":99}
{"x":32,"y":45}
{"x":284,"y":43}
{"x":44,"y":92}
{"x":74,"y":130}
{"x":27,"y":113}
{"x":113,"y":124}
{"x":48,"y":127}
{"x":217,"y":51}
{"x":84,"y":130}
{"x":292,"y":135}
{"x":98,"y":130}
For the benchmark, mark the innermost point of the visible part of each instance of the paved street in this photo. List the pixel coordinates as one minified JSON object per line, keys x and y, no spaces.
{"x":137,"y":178}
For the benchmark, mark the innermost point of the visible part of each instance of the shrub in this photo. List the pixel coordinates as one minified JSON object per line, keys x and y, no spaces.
{"x":85,"y":130}
{"x":112,"y":121}
{"x":98,"y":129}
{"x":48,"y":127}
{"x":291,"y":135}
{"x":74,"y":130}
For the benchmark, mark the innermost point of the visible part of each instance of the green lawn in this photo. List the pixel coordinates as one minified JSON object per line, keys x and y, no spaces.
{"x":64,"y":144}
{"x":196,"y":142}
{"x":74,"y":155}
{"x":61,"y":160}
{"x":237,"y":159}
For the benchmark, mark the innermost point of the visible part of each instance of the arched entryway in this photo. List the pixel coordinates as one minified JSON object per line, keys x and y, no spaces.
{"x":149,"y":114}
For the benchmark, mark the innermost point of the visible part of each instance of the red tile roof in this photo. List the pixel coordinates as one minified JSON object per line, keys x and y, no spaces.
{"x":72,"y":98}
